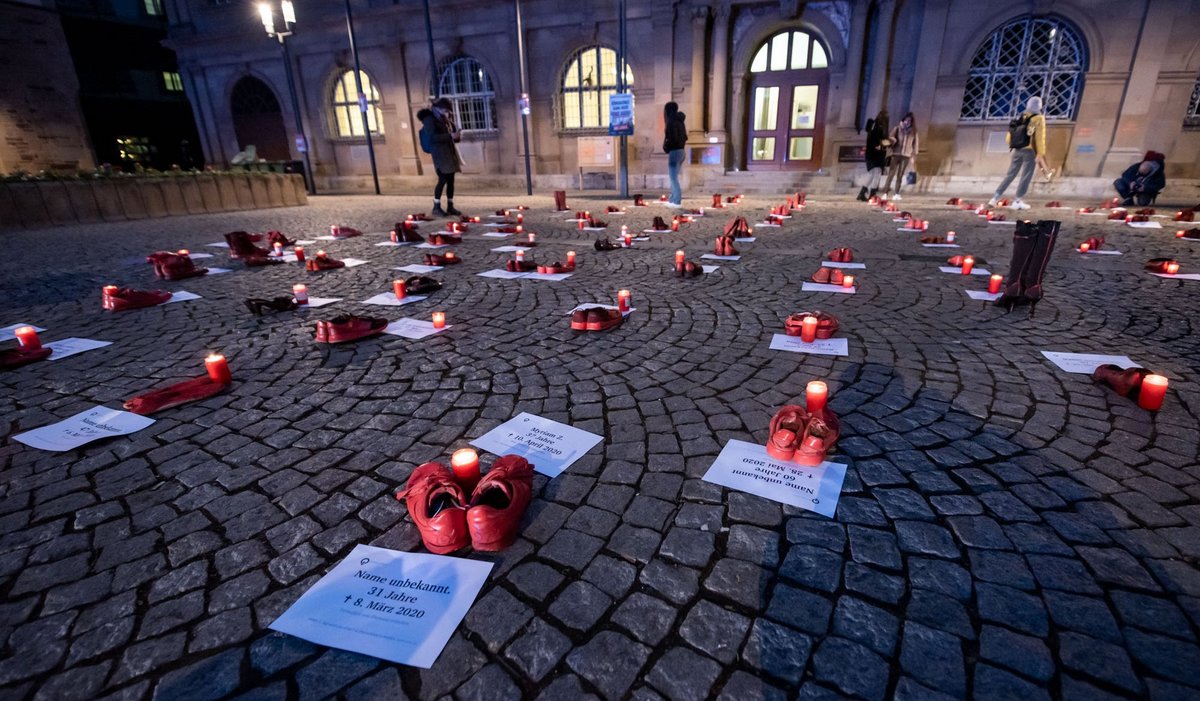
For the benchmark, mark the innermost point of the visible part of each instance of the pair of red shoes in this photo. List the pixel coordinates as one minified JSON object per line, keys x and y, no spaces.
{"x":737,"y":228}
{"x":1137,"y":218}
{"x":1118,"y":214}
{"x":596,"y":319}
{"x":724,"y":247}
{"x":520,"y":266}
{"x":441,"y":239}
{"x":1159,"y":265}
{"x":841,"y":255}
{"x":688,"y":269}
{"x":639,"y":201}
{"x":594,"y":223}
{"x":1146,"y":211}
{"x":932,"y":239}
{"x":241,"y":245}
{"x":440,"y":260}
{"x":321,"y":262}
{"x":174,"y":395}
{"x":827,"y":324}
{"x":957,"y":261}
{"x":343,"y":232}
{"x":173,"y":266}
{"x":1054,"y":203}
{"x":954,"y":201}
{"x":1186,"y":215}
{"x":406,"y":232}
{"x":828,"y":276}
{"x":348,"y":327}
{"x":1126,"y":382}
{"x":612,"y":209}
{"x":418,"y":216}
{"x":1094,"y":243}
{"x":126,"y":298}
{"x":1192,"y":233}
{"x":554,"y":268}
{"x":277,"y":237}
{"x":488,"y":521}
{"x":801,"y":437}
{"x":11,"y":358}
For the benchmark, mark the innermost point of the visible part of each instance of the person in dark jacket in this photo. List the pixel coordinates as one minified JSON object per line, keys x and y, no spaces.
{"x":877,"y":131}
{"x":439,"y":131}
{"x":674,"y":140}
{"x":1141,"y":182}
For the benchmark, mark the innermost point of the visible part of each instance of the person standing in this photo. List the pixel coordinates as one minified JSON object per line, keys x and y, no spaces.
{"x":674,"y":140}
{"x":1026,"y":139}
{"x":876,"y":156}
{"x":905,"y":147}
{"x":439,"y":137}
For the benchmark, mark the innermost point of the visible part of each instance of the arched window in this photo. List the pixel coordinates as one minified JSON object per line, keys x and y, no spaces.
{"x":1191,"y":119}
{"x":347,"y":119}
{"x":1026,"y":57}
{"x":469,"y":87}
{"x":790,"y":51}
{"x":588,"y":82}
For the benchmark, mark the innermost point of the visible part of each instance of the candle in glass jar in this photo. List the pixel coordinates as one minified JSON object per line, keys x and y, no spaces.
{"x":675,"y":225}
{"x":439,"y":320}
{"x":628,"y":240}
{"x":520,"y":218}
{"x":300,"y":293}
{"x":623,"y":300}
{"x":1172,"y":268}
{"x":994,"y":283}
{"x":815,"y":396}
{"x":218,"y":369}
{"x":520,"y":255}
{"x":679,"y":258}
{"x":581,"y":223}
{"x":28,"y":338}
{"x":465,"y":464}
{"x":571,"y":259}
{"x":400,"y":288}
{"x":451,"y":256}
{"x":848,"y":281}
{"x":395,"y":236}
{"x":184,"y":252}
{"x":320,"y":254}
{"x":299,"y":251}
{"x":334,"y":229}
{"x":968,"y":265}
{"x":1154,"y":389}
{"x":520,"y":229}
{"x":532,"y":237}
{"x":278,"y":248}
{"x":1083,"y":247}
{"x":109,"y":290}
{"x":808,"y":329}
{"x":949,"y":237}
{"x":1179,"y":234}
{"x":624,"y":229}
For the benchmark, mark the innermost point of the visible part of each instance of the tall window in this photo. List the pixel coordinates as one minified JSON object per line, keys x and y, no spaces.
{"x":172,"y":82}
{"x":1192,"y":118}
{"x":347,"y":120}
{"x":588,"y":82}
{"x":469,"y":87}
{"x":153,"y":7}
{"x":1026,"y":57}
{"x":789,"y":51}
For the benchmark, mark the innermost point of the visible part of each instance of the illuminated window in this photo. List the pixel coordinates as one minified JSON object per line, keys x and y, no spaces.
{"x":790,"y":51}
{"x":172,"y":82}
{"x":1045,"y":57}
{"x":469,"y":87}
{"x":347,"y":117}
{"x":1192,"y":118}
{"x":589,"y":80}
{"x":153,"y":7}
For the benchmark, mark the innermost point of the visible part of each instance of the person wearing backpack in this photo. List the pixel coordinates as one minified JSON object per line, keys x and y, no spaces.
{"x":438,"y":138}
{"x":905,"y":147}
{"x":674,"y":139}
{"x":1027,"y":139}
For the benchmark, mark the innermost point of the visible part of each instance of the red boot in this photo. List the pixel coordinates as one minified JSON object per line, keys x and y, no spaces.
{"x":172,"y":266}
{"x":241,"y":246}
{"x":498,"y":502}
{"x":436,"y":504}
{"x":322,"y":261}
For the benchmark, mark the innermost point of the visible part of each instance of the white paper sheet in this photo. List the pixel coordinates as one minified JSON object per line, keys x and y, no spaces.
{"x":314,"y":302}
{"x":551,"y":447}
{"x":1104,"y":252}
{"x":397,"y":606}
{"x":594,"y":305}
{"x":496,"y":235}
{"x":217,"y":244}
{"x":395,"y":243}
{"x":747,"y":467}
{"x":762,"y":225}
{"x":196,"y":256}
{"x":832,"y":264}
{"x":1178,"y":276}
{"x":83,"y":428}
{"x":823,"y":287}
{"x":1086,"y":363}
{"x":354,"y":262}
{"x":1006,"y":222}
{"x":548,"y":277}
{"x":656,"y":231}
{"x":68,"y":347}
{"x":501,"y":274}
{"x":820,"y":346}
{"x":182,"y":296}
{"x":388,"y":299}
{"x":8,"y":333}
{"x":1144,"y":224}
{"x":748,"y":239}
{"x":420,"y":269}
{"x":983,"y":295}
{"x":915,"y":231}
{"x":414,"y":329}
{"x":509,"y":249}
{"x":958,"y":271}
{"x":432,"y":245}
{"x":713,"y":256}
{"x":710,"y":268}
{"x":219,"y":271}
{"x":594,"y":228}
{"x":305,"y":242}
{"x":941,"y":245}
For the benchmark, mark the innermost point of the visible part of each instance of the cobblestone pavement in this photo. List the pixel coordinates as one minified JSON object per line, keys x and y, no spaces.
{"x":1006,"y":530}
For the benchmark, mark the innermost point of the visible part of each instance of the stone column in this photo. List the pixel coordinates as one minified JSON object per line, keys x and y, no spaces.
{"x":881,"y":51}
{"x":854,"y":64}
{"x":696,"y":113}
{"x":720,"y":74}
{"x":1132,"y":134}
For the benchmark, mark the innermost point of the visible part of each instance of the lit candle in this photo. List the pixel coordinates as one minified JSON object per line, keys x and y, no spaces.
{"x":624,"y":229}
{"x":1179,"y":234}
{"x":570,"y":259}
{"x":581,"y":223}
{"x":408,"y":218}
{"x":28,"y":338}
{"x":532,"y":237}
{"x":848,"y":281}
{"x":278,"y":248}
{"x":439,"y":320}
{"x":400,"y":288}
{"x":815,"y":396}
{"x":521,"y":255}
{"x":465,"y":463}
{"x":675,"y":225}
{"x":808,"y":329}
{"x":701,"y":211}
{"x":520,"y":218}
{"x":1083,"y":247}
{"x":520,"y":228}
{"x":628,"y":240}
{"x":1154,"y":389}
{"x":679,"y":258}
{"x":109,"y":290}
{"x":334,"y":229}
{"x":968,"y":265}
{"x":218,"y":369}
{"x":994,"y":283}
{"x":450,"y":255}
{"x":184,"y":252}
{"x":587,"y":214}
{"x":300,"y":293}
{"x":1172,"y":268}
{"x":299,"y":251}
{"x":320,"y":254}
{"x":623,"y":300}
{"x":949,"y":237}
{"x":395,"y":237}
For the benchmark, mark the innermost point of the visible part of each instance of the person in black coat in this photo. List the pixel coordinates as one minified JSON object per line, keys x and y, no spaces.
{"x":438,"y":138}
{"x":674,"y":140}
{"x":877,"y":134}
{"x":1141,"y":182}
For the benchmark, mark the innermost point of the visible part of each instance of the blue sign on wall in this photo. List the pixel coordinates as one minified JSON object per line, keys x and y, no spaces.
{"x":620,"y":114}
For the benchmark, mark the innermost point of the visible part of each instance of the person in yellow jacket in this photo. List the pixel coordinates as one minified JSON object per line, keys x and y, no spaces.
{"x":1027,"y":139}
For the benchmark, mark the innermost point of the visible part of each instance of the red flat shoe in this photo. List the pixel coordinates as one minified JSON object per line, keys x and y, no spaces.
{"x":552,"y":269}
{"x":786,"y":427}
{"x":820,"y":436}
{"x":836,"y":276}
{"x":1126,"y":382}
{"x":192,"y":390}
{"x":422,"y":285}
{"x":498,"y":503}
{"x":127,"y":298}
{"x":241,"y":245}
{"x":321,"y":262}
{"x":343,"y":232}
{"x":1186,"y":215}
{"x":827,"y":324}
{"x":603,"y":319}
{"x":822,"y":275}
{"x":1094,"y":243}
{"x":954,"y":201}
{"x":520,"y":266}
{"x":689,"y":269}
{"x":932,"y":239}
{"x":11,"y":358}
{"x":1159,"y":265}
{"x":612,"y":209}
{"x":1053,"y":204}
{"x":419,"y":216}
{"x":841,"y":255}
{"x":579,"y":320}
{"x":444,"y":239}
{"x":436,"y":504}
{"x":277,"y":237}
{"x":1117,"y":214}
{"x":348,"y":327}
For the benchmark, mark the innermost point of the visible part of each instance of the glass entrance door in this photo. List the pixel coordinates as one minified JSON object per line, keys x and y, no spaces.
{"x":788,"y":90}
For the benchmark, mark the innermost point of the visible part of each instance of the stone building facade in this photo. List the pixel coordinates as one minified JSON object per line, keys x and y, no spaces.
{"x":774,"y":91}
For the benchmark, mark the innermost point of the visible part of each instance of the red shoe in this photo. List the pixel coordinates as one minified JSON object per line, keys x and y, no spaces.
{"x":1192,"y":234}
{"x":841,"y":255}
{"x":579,"y":320}
{"x":498,"y":502}
{"x":603,"y":319}
{"x":172,"y":266}
{"x":823,"y":275}
{"x":180,"y":393}
{"x":1054,"y":203}
{"x":581,"y":215}
{"x":508,"y":229}
{"x":520,"y":266}
{"x":436,"y":504}
{"x":1159,"y":265}
{"x":343,"y":232}
{"x":406,"y":232}
{"x":11,"y":358}
{"x":1117,"y":214}
{"x":552,"y":269}
{"x":444,"y":239}
{"x":241,"y":245}
{"x":932,"y":239}
{"x":419,"y":216}
{"x":440,"y":260}
{"x":660,"y":225}
{"x":954,"y":201}
{"x":786,"y":428}
{"x":1186,"y":215}
{"x":827,"y":324}
{"x":348,"y":327}
{"x":1094,"y":243}
{"x":127,"y":298}
{"x":321,"y":262}
{"x":737,"y":229}
{"x":1126,"y":382}
{"x":277,"y":237}
{"x":820,"y":436}
{"x":612,"y":209}
{"x":836,"y":276}
{"x":422,"y":285}
{"x":689,"y":269}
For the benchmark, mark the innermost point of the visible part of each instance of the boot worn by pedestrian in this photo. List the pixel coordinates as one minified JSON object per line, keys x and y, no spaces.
{"x":192,"y":390}
{"x":348,"y":327}
{"x":258,"y":305}
{"x":437,"y":505}
{"x":1032,"y":246}
{"x":498,"y":502}
{"x":1126,"y":382}
{"x":451,"y":210}
{"x":321,"y":262}
{"x":126,"y":298}
{"x":172,"y":266}
{"x":11,"y":358}
{"x":422,"y":285}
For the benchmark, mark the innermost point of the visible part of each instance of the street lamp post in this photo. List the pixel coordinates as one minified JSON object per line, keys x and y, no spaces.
{"x":363,"y":104}
{"x":288,"y":14}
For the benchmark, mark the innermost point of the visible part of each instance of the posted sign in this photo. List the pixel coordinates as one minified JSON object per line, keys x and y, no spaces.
{"x":620,"y":114}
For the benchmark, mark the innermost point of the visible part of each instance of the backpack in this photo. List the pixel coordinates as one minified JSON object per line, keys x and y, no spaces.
{"x":1018,"y":132}
{"x":426,"y":139}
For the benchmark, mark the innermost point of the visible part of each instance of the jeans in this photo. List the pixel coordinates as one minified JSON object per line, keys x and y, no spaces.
{"x":674,"y":164}
{"x":897,"y":166}
{"x":1024,"y":160}
{"x":1123,"y":188}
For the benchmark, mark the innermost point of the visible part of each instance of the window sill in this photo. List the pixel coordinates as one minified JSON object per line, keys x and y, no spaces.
{"x":583,"y":131}
{"x":356,"y":140}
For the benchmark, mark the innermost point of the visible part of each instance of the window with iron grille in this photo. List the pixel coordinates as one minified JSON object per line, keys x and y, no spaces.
{"x":1191,"y":119}
{"x":588,"y":82}
{"x":1031,"y":56}
{"x":347,"y":117}
{"x":469,"y":87}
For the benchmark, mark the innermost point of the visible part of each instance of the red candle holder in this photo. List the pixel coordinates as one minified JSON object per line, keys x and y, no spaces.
{"x":465,"y":464}
{"x":28,"y":338}
{"x":994,"y":283}
{"x":679,"y":258}
{"x":968,"y":265}
{"x":400,"y":289}
{"x":439,"y":320}
{"x":1152,"y":393}
{"x":848,"y":281}
{"x":300,"y":293}
{"x":218,"y":369}
{"x":816,"y":395}
{"x":571,"y":259}
{"x":299,"y":251}
{"x":808,"y":329}
{"x":184,"y":252}
{"x":1084,"y":247}
{"x":1172,"y":268}
{"x":623,"y":300}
